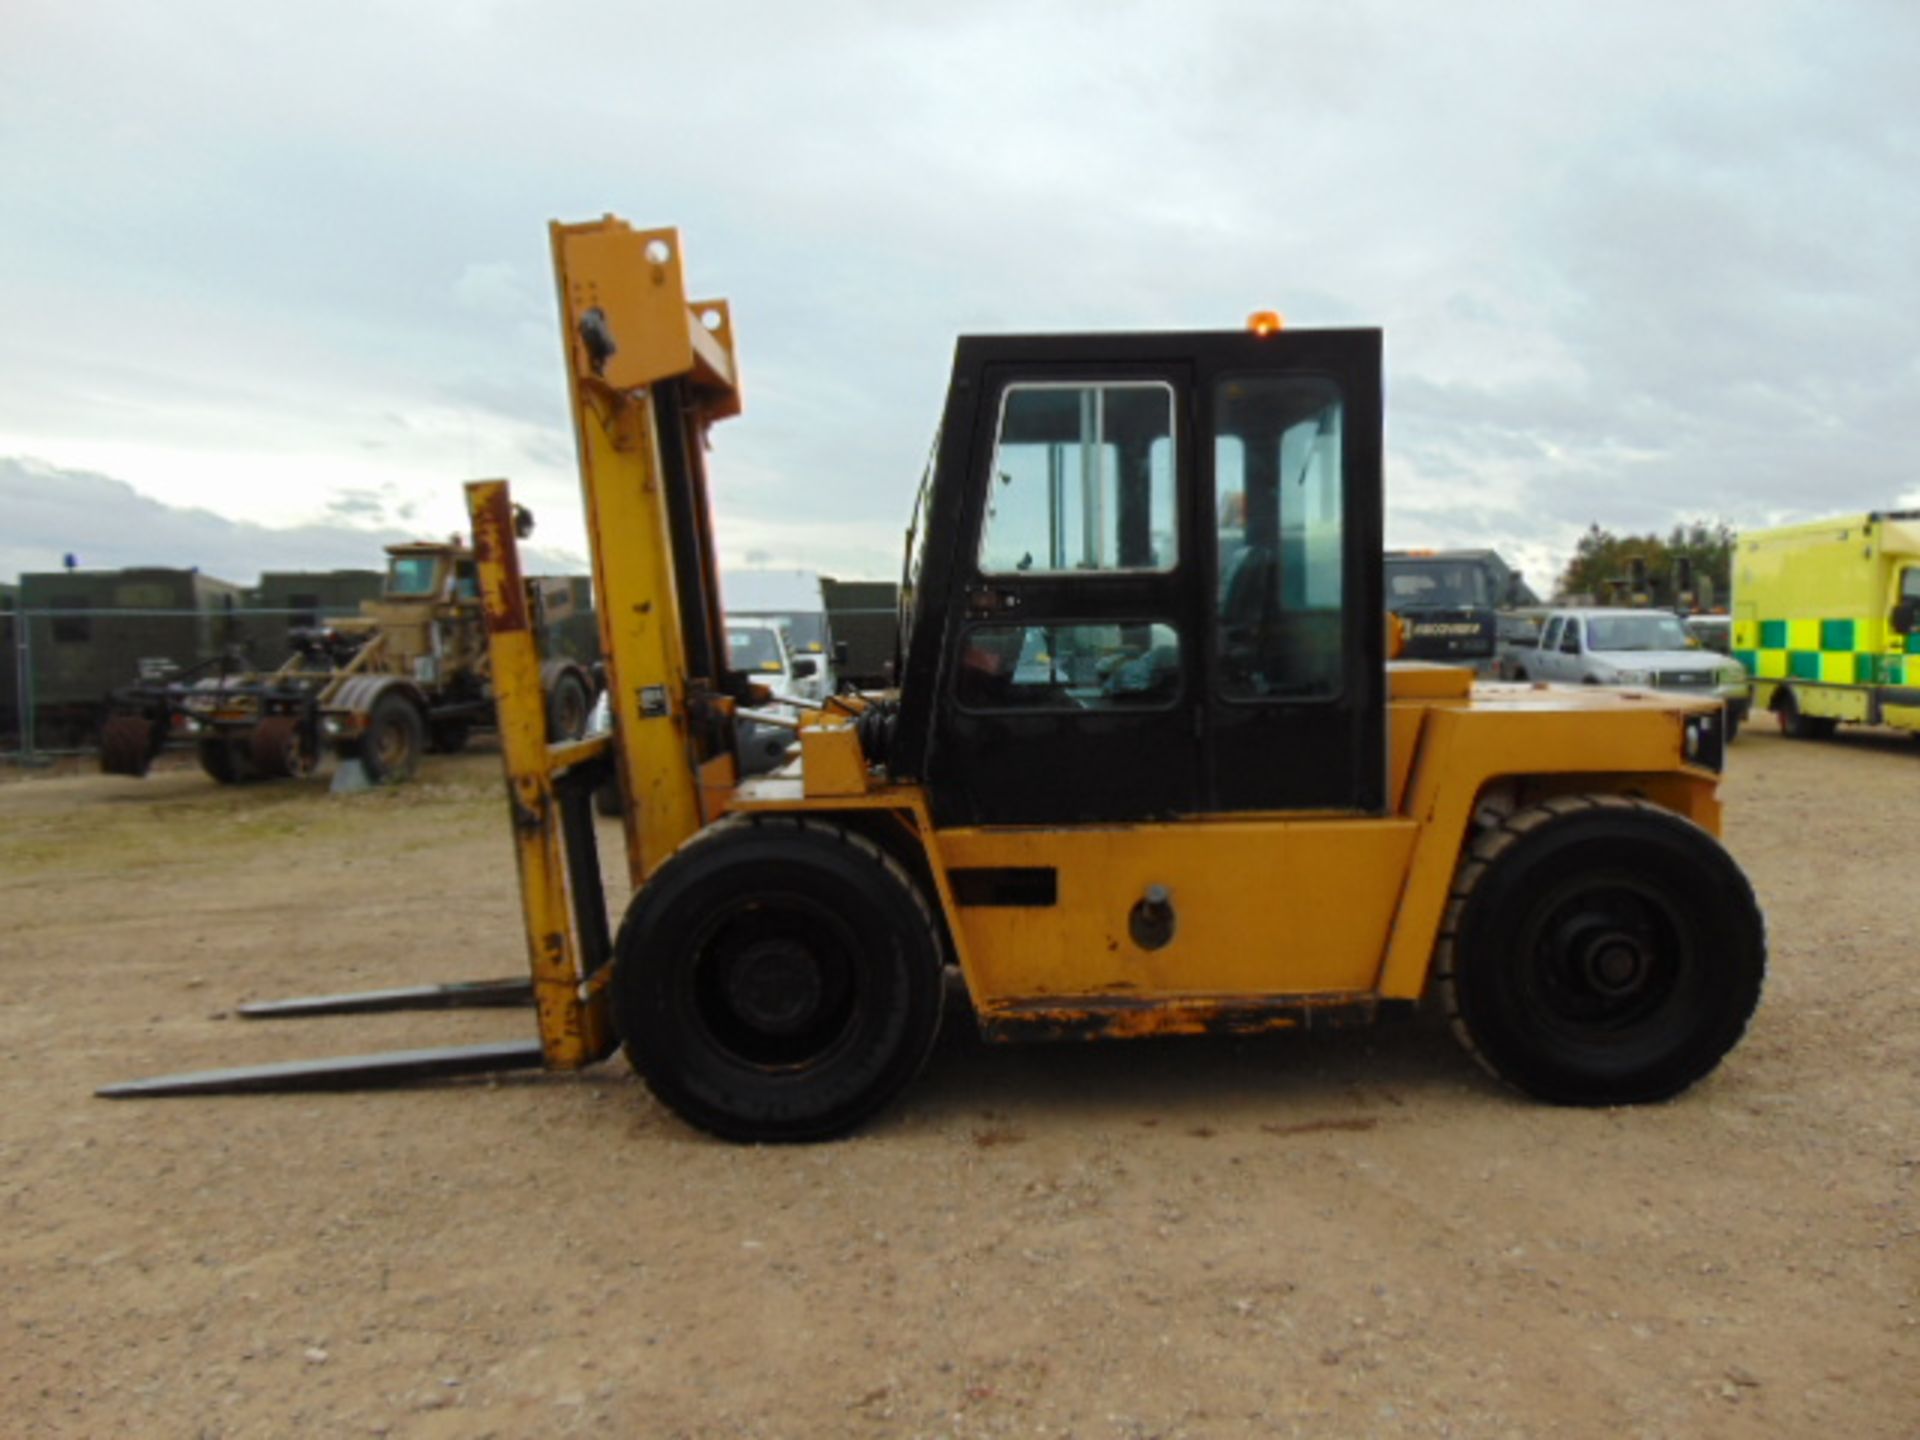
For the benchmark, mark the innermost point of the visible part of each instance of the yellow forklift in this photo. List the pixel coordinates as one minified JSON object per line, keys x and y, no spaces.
{"x":1149,"y":768}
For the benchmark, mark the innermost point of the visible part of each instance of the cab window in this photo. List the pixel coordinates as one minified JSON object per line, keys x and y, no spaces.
{"x":1069,"y":667}
{"x":412,"y":574}
{"x":1082,"y":481}
{"x":1550,"y":637}
{"x":1570,"y":636}
{"x":1279,"y":498}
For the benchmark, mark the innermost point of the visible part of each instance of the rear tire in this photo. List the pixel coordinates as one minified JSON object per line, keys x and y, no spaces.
{"x":390,"y":746}
{"x":227,"y":761}
{"x":1801,"y":727}
{"x":568,"y":705}
{"x":279,"y":748}
{"x":1599,"y":950}
{"x":778,"y":980}
{"x":129,"y":743}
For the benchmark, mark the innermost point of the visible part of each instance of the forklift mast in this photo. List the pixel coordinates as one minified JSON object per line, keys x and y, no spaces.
{"x":648,"y":372}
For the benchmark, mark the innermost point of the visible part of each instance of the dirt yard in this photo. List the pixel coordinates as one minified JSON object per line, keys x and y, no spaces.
{"x":1336,"y":1234}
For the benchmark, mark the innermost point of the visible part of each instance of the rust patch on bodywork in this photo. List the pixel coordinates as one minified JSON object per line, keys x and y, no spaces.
{"x":1127,"y":1017}
{"x":504,"y":604}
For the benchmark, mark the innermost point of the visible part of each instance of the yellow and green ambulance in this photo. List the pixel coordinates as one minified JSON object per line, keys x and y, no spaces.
{"x":1826,"y":617}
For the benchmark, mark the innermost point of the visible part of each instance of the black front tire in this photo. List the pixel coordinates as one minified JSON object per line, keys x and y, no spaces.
{"x":778,"y":980}
{"x":1599,"y":950}
{"x":390,"y":746}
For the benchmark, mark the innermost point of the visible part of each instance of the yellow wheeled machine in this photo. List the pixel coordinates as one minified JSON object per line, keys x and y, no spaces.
{"x":1148,"y":770}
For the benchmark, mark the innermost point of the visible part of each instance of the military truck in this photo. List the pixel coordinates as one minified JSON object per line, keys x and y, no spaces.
{"x":1449,"y":603}
{"x":408,"y":673}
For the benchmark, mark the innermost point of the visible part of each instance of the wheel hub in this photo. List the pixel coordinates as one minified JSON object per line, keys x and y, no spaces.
{"x":1614,"y":965}
{"x":775,"y":986}
{"x":1603,"y":960}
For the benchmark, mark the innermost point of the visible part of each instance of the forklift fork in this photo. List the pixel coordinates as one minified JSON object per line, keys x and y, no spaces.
{"x":550,"y":796}
{"x":641,"y":409}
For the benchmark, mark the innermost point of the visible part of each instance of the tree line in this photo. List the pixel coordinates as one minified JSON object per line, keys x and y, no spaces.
{"x":1603,"y":561}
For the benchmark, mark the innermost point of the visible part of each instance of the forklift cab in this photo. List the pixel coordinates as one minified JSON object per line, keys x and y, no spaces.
{"x":1158,"y":586}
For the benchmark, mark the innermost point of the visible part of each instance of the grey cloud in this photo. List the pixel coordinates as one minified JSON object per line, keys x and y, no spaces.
{"x":357,"y":505}
{"x":1635,"y":262}
{"x":107,"y":524}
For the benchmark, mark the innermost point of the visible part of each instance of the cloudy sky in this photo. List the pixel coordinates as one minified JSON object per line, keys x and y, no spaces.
{"x":284,"y":267}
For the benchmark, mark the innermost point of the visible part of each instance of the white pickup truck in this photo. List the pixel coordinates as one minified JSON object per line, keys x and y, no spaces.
{"x":1624,"y":647}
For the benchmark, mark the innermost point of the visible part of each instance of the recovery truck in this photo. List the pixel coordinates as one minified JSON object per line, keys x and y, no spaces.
{"x":1450,"y":603}
{"x":1826,"y":618}
{"x":410,"y":672}
{"x":1148,"y":769}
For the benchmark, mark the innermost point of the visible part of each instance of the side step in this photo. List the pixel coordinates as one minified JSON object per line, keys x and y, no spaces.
{"x":460,"y":995}
{"x":348,"y":1072}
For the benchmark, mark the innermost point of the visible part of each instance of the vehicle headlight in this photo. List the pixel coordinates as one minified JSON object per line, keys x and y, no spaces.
{"x":1703,"y":740}
{"x":1732,"y":675}
{"x":1631,"y":677}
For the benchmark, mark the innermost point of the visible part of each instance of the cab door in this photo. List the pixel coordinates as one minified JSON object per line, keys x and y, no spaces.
{"x":1070,"y":653}
{"x":1544,"y":660}
{"x":1295,"y":704}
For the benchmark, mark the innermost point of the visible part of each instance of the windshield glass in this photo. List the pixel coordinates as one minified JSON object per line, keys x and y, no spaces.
{"x":412,"y":574}
{"x":752,"y":647}
{"x":1436,"y":582}
{"x":806,"y":633}
{"x":1637,"y":632}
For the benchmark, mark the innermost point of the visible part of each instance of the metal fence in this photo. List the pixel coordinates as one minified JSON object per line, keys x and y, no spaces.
{"x":62,"y":664}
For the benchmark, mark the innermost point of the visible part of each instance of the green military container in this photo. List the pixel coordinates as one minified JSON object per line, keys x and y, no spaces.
{"x":864,"y":616}
{"x":105,"y":628}
{"x":9,"y":668}
{"x":569,"y":630}
{"x":312,"y":598}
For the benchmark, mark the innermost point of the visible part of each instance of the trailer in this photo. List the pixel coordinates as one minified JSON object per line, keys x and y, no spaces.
{"x":407,"y":674}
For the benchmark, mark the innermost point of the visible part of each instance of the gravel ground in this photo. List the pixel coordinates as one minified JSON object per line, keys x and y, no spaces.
{"x":1352,"y":1233}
